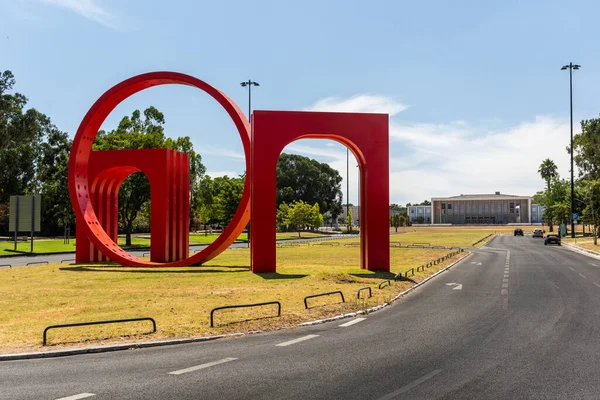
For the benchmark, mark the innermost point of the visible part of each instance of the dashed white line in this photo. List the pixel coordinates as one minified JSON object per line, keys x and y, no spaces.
{"x":77,"y":396}
{"x":596,"y":284}
{"x":572,"y":269}
{"x":593,"y":264}
{"x":504,"y":292}
{"x":411,"y":385}
{"x":504,"y":280}
{"x":506,"y":275}
{"x":300,"y":339}
{"x":505,"y":285}
{"x":354,"y":321}
{"x":582,"y":275}
{"x":202,"y":366}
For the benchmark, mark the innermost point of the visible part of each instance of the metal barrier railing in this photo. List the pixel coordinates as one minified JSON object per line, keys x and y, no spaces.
{"x":422,"y":244}
{"x":422,"y":268}
{"x":412,"y":271}
{"x":364,"y":288}
{"x":36,"y":262}
{"x":70,"y":259}
{"x":382,"y":283}
{"x":323,"y":294}
{"x":114,"y":321}
{"x":212,"y":312}
{"x":6,"y":265}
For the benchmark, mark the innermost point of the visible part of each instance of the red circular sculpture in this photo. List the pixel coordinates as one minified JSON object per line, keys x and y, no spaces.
{"x":79,"y":163}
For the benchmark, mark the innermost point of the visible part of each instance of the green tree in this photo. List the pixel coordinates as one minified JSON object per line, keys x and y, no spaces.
{"x":317,"y":217}
{"x":282,"y":216}
{"x":349,"y":220}
{"x":300,"y":178}
{"x":395,"y":221}
{"x":300,"y":215}
{"x":548,"y":171}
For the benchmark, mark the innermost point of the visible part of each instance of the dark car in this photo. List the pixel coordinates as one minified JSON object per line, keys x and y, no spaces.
{"x":518,"y":232}
{"x":552,"y":239}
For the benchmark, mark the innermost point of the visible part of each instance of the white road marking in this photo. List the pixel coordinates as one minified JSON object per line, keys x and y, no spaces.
{"x":593,"y":264}
{"x":596,"y":284}
{"x":300,"y":339}
{"x":77,"y":396}
{"x":411,"y":385}
{"x":572,"y":269}
{"x":457,"y":286}
{"x":505,"y":285}
{"x":202,"y":366}
{"x":354,"y":321}
{"x":506,"y":275}
{"x":504,"y":292}
{"x":582,"y":275}
{"x":504,"y":280}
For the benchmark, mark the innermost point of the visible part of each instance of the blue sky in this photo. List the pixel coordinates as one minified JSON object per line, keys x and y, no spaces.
{"x":474,"y":89}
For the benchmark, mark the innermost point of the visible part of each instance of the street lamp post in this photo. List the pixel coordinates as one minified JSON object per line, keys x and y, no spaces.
{"x":347,"y":186}
{"x":571,"y":67}
{"x":249,"y":83}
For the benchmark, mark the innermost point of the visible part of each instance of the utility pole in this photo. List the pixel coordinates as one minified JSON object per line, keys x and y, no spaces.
{"x":571,"y":67}
{"x":249,"y":83}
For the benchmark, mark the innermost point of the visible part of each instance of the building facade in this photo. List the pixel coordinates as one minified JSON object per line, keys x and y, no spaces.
{"x":419,"y":214}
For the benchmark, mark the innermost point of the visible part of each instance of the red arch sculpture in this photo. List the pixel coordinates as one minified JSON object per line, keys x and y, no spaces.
{"x":79,"y":169}
{"x":366,"y":135}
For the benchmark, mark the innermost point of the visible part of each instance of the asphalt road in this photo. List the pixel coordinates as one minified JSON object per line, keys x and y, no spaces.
{"x":523,"y":325}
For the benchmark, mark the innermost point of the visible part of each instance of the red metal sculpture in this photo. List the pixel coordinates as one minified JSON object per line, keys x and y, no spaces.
{"x":95,"y":178}
{"x":82,"y":171}
{"x":366,"y":135}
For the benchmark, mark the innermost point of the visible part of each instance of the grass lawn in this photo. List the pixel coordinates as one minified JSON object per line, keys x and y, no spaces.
{"x":180,"y":299}
{"x":139,"y":241}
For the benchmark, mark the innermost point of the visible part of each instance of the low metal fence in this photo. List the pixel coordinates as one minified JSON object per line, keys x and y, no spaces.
{"x":364,"y":288}
{"x":113,"y":321}
{"x":323,"y":294}
{"x":212,"y":312}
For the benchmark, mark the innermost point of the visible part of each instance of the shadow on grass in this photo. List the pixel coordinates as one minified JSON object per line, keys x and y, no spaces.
{"x":375,"y":274}
{"x":189,"y":270}
{"x":277,"y":275}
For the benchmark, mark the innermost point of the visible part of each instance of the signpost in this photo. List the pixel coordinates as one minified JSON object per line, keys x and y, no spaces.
{"x":575,"y":216}
{"x":25,"y":215}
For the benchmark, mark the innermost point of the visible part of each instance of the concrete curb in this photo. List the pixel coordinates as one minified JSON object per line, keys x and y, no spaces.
{"x":118,"y":347}
{"x":580,"y":250}
{"x":381,"y":306}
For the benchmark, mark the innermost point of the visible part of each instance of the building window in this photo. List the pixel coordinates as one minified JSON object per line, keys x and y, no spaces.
{"x":449,"y":206}
{"x":512,"y":208}
{"x":443,"y":206}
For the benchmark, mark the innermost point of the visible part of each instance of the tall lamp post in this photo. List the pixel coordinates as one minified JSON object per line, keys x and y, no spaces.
{"x":249,"y":83}
{"x":571,"y":67}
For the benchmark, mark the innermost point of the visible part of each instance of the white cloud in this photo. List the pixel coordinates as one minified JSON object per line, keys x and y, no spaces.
{"x":363,"y":103}
{"x":220,"y":151}
{"x":217,"y":174}
{"x":445,"y":159}
{"x":90,"y":9}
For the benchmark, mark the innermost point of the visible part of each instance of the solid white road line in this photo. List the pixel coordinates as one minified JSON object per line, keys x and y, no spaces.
{"x":411,"y":385}
{"x":582,"y":275}
{"x":572,"y":269}
{"x":77,"y":396}
{"x":300,"y":339}
{"x":596,"y":284}
{"x":201,"y":366}
{"x":354,"y":321}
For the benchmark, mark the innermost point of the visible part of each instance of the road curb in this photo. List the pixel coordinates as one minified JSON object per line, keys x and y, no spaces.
{"x":119,"y":347}
{"x":381,"y":306}
{"x":580,"y":250}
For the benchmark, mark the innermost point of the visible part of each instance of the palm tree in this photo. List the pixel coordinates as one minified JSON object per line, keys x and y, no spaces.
{"x":548,"y":170}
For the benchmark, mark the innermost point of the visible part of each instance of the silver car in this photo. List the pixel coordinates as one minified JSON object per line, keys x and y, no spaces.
{"x":538,"y":233}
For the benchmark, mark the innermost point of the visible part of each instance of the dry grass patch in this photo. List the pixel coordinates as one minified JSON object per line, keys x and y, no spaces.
{"x":180,"y":299}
